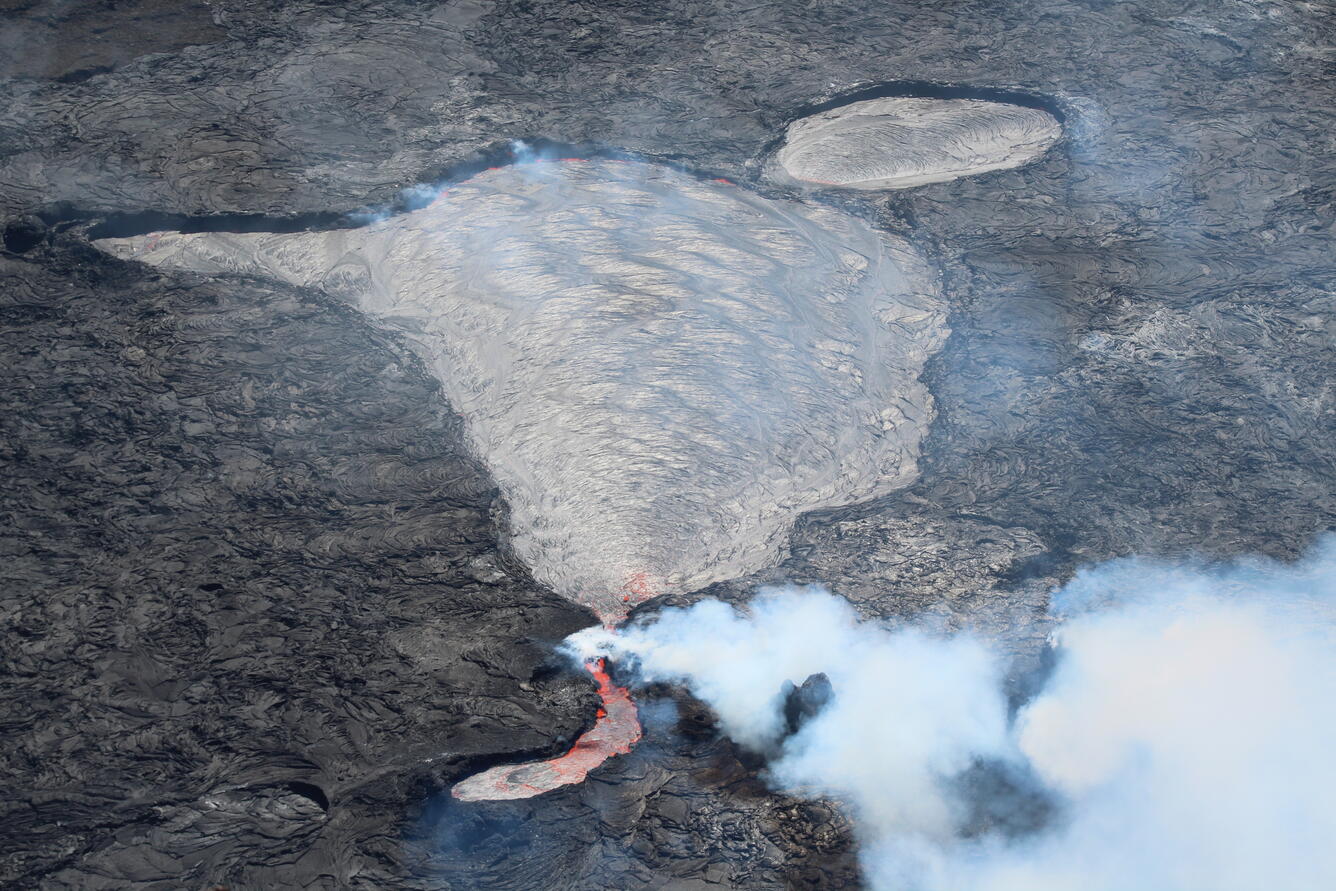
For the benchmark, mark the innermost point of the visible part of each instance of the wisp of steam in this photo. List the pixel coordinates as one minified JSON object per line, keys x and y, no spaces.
{"x":1183,"y":742}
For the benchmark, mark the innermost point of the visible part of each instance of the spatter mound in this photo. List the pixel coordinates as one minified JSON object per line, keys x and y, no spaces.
{"x":660,"y":372}
{"x":895,"y":143}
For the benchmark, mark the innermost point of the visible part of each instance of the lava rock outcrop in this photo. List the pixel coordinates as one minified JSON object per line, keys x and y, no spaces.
{"x":803,"y":702}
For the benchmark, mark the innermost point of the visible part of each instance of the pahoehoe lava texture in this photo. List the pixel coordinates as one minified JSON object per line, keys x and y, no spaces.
{"x":660,"y":371}
{"x":898,"y":142}
{"x":252,"y":593}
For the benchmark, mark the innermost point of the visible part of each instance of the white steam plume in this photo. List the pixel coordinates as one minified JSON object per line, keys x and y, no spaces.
{"x":1184,"y":742}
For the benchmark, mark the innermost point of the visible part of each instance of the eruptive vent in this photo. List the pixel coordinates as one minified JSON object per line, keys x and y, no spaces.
{"x":898,"y":142}
{"x":661,"y":372}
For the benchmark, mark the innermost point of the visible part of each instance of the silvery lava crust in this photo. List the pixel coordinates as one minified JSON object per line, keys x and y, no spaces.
{"x":660,"y":372}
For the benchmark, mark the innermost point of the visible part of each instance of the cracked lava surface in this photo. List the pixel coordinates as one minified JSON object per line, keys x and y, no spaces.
{"x":619,"y":334}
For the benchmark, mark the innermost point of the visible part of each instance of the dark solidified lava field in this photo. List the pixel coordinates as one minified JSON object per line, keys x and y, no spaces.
{"x":259,"y":609}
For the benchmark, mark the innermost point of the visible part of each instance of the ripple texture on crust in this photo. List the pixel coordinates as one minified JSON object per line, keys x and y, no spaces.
{"x":660,"y":372}
{"x":895,"y":143}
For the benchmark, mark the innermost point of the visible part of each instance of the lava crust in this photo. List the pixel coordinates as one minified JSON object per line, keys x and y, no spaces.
{"x":899,"y":142}
{"x":661,"y":372}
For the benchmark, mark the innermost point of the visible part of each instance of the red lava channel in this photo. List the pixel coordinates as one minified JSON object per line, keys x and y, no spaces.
{"x":615,"y":732}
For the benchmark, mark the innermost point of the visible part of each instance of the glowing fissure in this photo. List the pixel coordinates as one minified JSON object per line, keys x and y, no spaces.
{"x":614,"y":733}
{"x":616,"y":728}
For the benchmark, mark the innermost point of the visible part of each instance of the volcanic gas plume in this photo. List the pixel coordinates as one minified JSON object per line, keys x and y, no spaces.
{"x":1183,"y":741}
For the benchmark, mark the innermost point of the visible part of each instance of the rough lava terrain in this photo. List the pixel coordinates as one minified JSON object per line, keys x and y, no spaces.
{"x":261,"y":610}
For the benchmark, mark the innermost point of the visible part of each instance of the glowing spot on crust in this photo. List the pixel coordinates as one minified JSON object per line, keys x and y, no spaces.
{"x":614,"y":733}
{"x":638,"y":589}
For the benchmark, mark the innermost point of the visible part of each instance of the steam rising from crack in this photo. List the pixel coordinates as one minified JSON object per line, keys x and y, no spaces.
{"x":1183,"y":741}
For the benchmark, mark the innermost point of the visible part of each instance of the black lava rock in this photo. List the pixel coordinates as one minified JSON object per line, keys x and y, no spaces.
{"x":805,"y":702}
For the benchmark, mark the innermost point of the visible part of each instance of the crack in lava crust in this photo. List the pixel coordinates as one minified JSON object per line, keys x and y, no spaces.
{"x":615,"y":732}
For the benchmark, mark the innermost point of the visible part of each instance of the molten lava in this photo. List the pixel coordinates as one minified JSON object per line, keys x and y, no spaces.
{"x":616,"y":728}
{"x":614,"y":733}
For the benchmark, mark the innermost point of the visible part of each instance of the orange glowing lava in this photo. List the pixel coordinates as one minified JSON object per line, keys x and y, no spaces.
{"x":615,"y":732}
